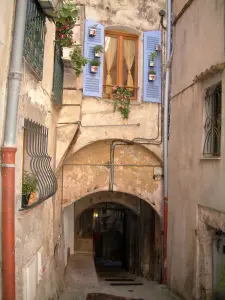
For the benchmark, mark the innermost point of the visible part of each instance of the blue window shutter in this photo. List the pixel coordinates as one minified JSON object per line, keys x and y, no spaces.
{"x":152,"y":89}
{"x":92,"y":83}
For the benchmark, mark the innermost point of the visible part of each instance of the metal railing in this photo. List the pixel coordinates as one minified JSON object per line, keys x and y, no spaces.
{"x":34,"y":37}
{"x":58,"y":76}
{"x":212,"y":121}
{"x":36,"y":140}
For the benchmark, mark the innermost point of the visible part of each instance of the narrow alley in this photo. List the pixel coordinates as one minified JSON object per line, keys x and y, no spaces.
{"x":81,"y":281}
{"x":112,"y":140}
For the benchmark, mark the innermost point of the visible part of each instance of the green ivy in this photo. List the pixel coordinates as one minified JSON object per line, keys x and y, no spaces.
{"x":78,"y":60}
{"x":29,"y":183}
{"x":121,"y":97}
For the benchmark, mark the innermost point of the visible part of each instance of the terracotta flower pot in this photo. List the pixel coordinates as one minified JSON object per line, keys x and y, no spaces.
{"x":32,"y":198}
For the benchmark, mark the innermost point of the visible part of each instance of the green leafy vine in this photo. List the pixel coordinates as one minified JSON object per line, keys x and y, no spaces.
{"x":121,"y":97}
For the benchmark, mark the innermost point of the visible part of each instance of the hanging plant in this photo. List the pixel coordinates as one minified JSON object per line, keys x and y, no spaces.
{"x":151,"y":75}
{"x":121,"y":97}
{"x":78,"y":61}
{"x":95,"y":63}
{"x":153,"y":56}
{"x":65,"y":19}
{"x":93,"y":30}
{"x":98,"y":49}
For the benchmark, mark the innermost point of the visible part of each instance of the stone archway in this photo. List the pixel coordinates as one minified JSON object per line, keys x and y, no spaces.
{"x":150,"y":236}
{"x":89,"y":170}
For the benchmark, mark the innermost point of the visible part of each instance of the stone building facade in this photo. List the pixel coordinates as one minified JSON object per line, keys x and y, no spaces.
{"x":196,"y":150}
{"x":92,"y":148}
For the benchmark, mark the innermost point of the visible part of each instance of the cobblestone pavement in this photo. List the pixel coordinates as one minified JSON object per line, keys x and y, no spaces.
{"x":81,"y":279}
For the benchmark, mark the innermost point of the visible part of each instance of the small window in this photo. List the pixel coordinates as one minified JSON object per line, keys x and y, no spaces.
{"x":39,"y":182}
{"x":212,"y":125}
{"x":34,"y":37}
{"x":120,"y":62}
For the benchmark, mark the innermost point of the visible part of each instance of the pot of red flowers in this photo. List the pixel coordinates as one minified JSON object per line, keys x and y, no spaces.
{"x":64,"y":31}
{"x":121,"y":97}
{"x":95,"y":63}
{"x":93,"y":31}
{"x":98,"y":49}
{"x":151,"y":75}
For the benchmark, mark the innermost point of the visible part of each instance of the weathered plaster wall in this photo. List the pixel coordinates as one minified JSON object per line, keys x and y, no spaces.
{"x":193,"y":180}
{"x":131,"y":16}
{"x":83,"y":173}
{"x":202,"y":22}
{"x":34,"y":228}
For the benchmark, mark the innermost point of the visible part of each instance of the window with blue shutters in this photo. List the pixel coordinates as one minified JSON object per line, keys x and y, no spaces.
{"x":92,"y":82}
{"x":152,"y":89}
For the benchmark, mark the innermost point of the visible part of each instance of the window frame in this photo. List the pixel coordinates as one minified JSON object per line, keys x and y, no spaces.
{"x":212,"y":121}
{"x":33,"y":50}
{"x":120,"y":35}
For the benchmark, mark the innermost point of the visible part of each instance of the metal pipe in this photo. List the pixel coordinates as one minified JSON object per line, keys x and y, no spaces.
{"x":103,"y":125}
{"x":165,"y":140}
{"x":14,"y":78}
{"x":9,"y":153}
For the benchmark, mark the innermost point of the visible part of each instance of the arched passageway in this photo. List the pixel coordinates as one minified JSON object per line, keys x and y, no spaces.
{"x":121,"y":232}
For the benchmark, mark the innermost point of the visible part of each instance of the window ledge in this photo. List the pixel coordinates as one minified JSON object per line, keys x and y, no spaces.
{"x":210,"y":158}
{"x":132,"y":102}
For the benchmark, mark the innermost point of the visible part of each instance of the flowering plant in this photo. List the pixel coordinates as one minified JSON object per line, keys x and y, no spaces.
{"x":65,"y":20}
{"x":121,"y":96}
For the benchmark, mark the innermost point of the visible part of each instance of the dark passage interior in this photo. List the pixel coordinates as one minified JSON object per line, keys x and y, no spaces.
{"x":122,"y":240}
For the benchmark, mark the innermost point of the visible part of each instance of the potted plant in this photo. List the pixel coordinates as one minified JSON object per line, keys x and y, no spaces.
{"x":66,"y":18}
{"x":29,"y":187}
{"x":95,"y":63}
{"x":151,"y":75}
{"x":77,"y":60}
{"x":121,"y":97}
{"x":158,"y":47}
{"x":98,"y":49}
{"x":153,"y":56}
{"x":93,"y":30}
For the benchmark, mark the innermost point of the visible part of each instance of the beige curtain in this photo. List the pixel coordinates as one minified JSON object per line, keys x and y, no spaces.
{"x":110,"y":51}
{"x":129,"y":54}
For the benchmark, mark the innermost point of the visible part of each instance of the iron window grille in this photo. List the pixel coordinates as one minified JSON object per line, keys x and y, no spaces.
{"x":212,"y":125}
{"x":36,"y":141}
{"x":58,"y":76}
{"x":34,"y":37}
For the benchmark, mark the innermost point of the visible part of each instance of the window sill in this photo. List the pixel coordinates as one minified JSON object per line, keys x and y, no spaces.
{"x":132,"y":102}
{"x":217,"y":158}
{"x":23,"y":212}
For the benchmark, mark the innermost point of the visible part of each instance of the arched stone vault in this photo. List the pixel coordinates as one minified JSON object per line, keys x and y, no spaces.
{"x":88,"y":171}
